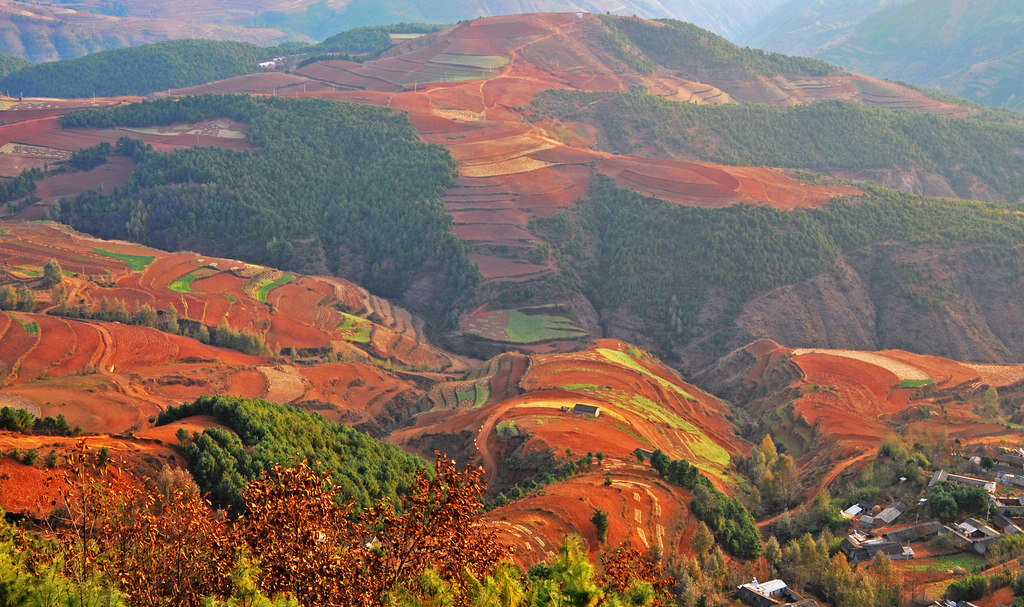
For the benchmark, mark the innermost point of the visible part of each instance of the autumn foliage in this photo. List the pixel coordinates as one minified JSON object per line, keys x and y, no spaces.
{"x":324,"y":554}
{"x":161,"y":543}
{"x":156,"y":542}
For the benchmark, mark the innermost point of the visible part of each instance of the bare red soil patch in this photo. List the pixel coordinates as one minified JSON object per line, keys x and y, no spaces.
{"x":642,"y":405}
{"x":56,"y":342}
{"x":112,"y":174}
{"x":643,"y":512}
{"x":17,"y":342}
{"x":114,"y":377}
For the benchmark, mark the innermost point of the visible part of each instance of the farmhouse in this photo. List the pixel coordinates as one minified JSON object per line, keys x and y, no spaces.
{"x":915,"y":533}
{"x":1016,"y":480}
{"x":859,"y":547}
{"x":942,"y":475}
{"x":646,"y":453}
{"x":591,"y":410}
{"x":973,"y":534}
{"x":1013,"y":457}
{"x":773,"y":593}
{"x":852,"y":512}
{"x":1008,"y":526}
{"x":890,"y":514}
{"x":1009,"y":506}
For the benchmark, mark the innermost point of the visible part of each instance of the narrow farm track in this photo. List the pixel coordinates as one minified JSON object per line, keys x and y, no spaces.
{"x":106,"y":369}
{"x":15,"y":365}
{"x":823,"y":484}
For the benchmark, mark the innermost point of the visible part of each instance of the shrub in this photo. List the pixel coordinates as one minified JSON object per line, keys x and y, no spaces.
{"x":968,"y":589}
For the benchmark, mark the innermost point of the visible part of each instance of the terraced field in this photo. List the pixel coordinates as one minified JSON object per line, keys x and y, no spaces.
{"x":641,"y":402}
{"x":113,"y":376}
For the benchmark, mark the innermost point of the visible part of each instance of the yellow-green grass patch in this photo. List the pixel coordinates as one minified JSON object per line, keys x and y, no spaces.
{"x":261,"y":293}
{"x":183,"y":284}
{"x":531,"y":328}
{"x":355,"y":328}
{"x":626,"y":360}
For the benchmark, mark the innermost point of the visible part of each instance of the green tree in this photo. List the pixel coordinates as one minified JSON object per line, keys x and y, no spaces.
{"x":773,"y":553}
{"x":702,"y":540}
{"x":990,"y":403}
{"x":246,"y":593}
{"x":52,"y":274}
{"x":8,"y":298}
{"x":969,"y":588}
{"x":26,"y":299}
{"x":600,"y":520}
{"x":568,"y":581}
{"x":171,"y":320}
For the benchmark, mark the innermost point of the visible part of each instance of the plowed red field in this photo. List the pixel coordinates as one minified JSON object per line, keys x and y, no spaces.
{"x":109,"y":376}
{"x":643,"y":512}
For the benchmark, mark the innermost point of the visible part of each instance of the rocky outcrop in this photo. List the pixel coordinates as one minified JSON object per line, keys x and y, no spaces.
{"x":918,"y":298}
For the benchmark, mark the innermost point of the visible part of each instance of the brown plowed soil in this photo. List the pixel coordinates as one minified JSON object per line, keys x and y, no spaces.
{"x":17,"y":342}
{"x":56,"y":342}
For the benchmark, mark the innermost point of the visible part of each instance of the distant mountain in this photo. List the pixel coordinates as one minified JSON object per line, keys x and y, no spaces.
{"x":970,"y":48}
{"x":45,"y":30}
{"x":803,"y":27}
{"x":44,"y":33}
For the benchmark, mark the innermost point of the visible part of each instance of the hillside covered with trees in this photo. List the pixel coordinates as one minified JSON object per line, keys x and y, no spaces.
{"x":263,"y":434}
{"x":352,"y":185}
{"x":137,"y":70}
{"x":149,"y":68}
{"x":698,"y":53}
{"x":687,"y":272}
{"x":824,"y":137}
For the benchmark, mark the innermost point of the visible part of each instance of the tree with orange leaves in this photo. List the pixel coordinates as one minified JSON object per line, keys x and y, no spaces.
{"x":157,"y":547}
{"x":325,"y":554}
{"x":625,"y":570}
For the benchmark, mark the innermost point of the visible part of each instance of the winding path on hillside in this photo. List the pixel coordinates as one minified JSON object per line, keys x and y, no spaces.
{"x":823,"y":484}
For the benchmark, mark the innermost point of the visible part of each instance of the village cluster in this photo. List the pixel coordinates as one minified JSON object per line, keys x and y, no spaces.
{"x":884,"y":528}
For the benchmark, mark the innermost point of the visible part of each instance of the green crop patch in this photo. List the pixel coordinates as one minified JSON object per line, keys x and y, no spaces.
{"x":915,"y":383}
{"x":183,"y":284}
{"x":34,"y":271}
{"x":482,"y":393}
{"x":354,"y":328}
{"x":945,"y":563}
{"x":134,"y":262}
{"x":486,"y":62}
{"x":29,"y":325}
{"x":531,"y":328}
{"x":261,"y":294}
{"x":508,"y":429}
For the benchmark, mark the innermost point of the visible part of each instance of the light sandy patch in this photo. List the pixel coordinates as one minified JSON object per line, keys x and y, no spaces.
{"x":284,"y":384}
{"x":605,"y":409}
{"x":643,"y":537}
{"x":457,"y":115}
{"x":506,"y":167}
{"x":17,"y":402}
{"x":999,"y":375}
{"x":899,"y":369}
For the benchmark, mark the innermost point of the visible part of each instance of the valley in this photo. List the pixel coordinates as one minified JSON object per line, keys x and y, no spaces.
{"x":656,"y":290}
